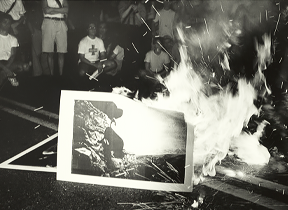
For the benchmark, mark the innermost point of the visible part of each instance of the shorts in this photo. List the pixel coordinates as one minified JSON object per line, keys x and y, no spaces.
{"x":54,"y":31}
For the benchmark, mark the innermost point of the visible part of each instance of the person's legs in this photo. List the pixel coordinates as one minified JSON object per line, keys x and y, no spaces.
{"x":61,"y":42}
{"x":61,"y":63}
{"x":48,"y":39}
{"x":50,"y":59}
{"x":110,"y":67}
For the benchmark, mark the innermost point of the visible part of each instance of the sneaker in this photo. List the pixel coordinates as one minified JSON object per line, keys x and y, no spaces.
{"x":13,"y":81}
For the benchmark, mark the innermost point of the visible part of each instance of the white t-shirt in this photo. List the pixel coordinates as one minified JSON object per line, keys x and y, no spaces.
{"x":165,"y":20}
{"x":91,"y":48}
{"x":53,"y":4}
{"x":157,"y":61}
{"x":6,"y":43}
{"x":17,"y":11}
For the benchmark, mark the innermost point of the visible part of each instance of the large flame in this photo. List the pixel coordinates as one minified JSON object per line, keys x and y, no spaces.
{"x":218,"y":117}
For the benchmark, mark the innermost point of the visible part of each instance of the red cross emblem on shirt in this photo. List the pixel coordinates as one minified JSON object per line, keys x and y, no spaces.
{"x":93,"y":49}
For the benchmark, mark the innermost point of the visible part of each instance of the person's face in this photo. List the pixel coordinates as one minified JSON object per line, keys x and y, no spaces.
{"x":92,"y":29}
{"x":103,"y":28}
{"x":166,"y":3}
{"x":157,"y":48}
{"x":5,"y":24}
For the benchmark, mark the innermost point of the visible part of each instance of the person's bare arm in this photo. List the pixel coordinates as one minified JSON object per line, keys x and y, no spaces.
{"x":84,"y":60}
{"x":125,"y":13}
{"x":12,"y":57}
{"x":147,"y":66}
{"x":51,"y":11}
{"x":112,"y":56}
{"x":6,"y":68}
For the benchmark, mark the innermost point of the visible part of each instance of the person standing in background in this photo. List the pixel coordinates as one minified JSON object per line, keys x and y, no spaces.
{"x":16,"y":10}
{"x":34,"y":21}
{"x":164,"y":21}
{"x":133,"y":16}
{"x":54,"y":30}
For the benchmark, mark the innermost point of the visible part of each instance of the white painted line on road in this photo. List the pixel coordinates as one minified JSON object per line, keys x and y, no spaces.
{"x":31,"y":108}
{"x":36,"y":120}
{"x":257,"y":181}
{"x":245,"y":194}
{"x":29,"y":168}
{"x":6,"y":164}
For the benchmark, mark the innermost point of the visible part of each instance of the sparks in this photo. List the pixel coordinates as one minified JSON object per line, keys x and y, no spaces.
{"x":155,"y":10}
{"x":145,"y":24}
{"x":145,"y":33}
{"x":91,"y":76}
{"x":200,"y":47}
{"x":221,"y":7}
{"x":135,"y":48}
{"x":280,"y":60}
{"x":146,"y":1}
{"x":36,"y":126}
{"x":165,"y":49}
{"x":206,"y":26}
{"x":277,"y":23}
{"x":160,"y":1}
{"x":105,"y":59}
{"x":38,"y":108}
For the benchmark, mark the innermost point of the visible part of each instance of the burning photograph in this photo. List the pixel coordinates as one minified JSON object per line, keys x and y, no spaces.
{"x":121,"y":139}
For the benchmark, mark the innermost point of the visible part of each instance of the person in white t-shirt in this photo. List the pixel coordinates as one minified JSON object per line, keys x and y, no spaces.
{"x":17,"y":12}
{"x":92,"y":55}
{"x":157,"y":61}
{"x":164,"y":21}
{"x":8,"y":47}
{"x":157,"y":66}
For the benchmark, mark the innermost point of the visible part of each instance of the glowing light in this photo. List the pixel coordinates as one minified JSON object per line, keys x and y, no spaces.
{"x":277,"y":23}
{"x":240,"y":173}
{"x":206,"y":26}
{"x":221,"y":7}
{"x":38,"y":108}
{"x":230,"y":173}
{"x":155,"y":10}
{"x":135,"y":48}
{"x":145,"y":24}
{"x":36,"y":126}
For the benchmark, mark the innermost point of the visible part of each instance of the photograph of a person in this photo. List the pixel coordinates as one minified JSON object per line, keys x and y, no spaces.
{"x":116,"y":138}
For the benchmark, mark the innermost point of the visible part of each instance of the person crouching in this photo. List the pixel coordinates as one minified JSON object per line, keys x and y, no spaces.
{"x":92,"y":55}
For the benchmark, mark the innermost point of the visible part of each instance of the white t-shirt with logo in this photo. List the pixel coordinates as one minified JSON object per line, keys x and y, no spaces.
{"x":91,"y":48}
{"x":6,"y":44}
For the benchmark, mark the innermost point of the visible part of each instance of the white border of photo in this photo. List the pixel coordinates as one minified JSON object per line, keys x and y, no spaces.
{"x":65,"y":138}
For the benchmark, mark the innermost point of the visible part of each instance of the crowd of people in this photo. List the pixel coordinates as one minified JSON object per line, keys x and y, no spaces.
{"x":101,"y":40}
{"x":127,"y":38}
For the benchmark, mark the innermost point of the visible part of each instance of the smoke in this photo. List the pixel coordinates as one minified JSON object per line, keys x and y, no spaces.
{"x":214,"y":99}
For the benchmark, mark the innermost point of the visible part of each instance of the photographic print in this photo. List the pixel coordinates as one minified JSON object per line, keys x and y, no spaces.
{"x":108,"y":139}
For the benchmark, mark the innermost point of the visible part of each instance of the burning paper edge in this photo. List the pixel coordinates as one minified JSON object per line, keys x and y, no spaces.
{"x":65,"y":137}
